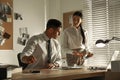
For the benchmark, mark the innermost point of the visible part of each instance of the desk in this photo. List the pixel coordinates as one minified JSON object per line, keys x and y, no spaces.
{"x":112,"y":75}
{"x":47,"y":74}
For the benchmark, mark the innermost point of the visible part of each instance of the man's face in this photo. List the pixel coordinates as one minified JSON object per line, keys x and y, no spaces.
{"x":56,"y":32}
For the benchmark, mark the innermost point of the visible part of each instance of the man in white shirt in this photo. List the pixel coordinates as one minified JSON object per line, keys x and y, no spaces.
{"x":36,"y":54}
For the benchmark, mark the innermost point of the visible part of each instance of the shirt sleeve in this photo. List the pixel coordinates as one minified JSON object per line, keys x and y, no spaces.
{"x":58,"y":58}
{"x":87,"y":50}
{"x":30,"y":47}
{"x":65,"y":47}
{"x":86,"y":40}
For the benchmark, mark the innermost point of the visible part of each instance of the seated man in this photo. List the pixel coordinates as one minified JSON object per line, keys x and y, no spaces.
{"x":39,"y":53}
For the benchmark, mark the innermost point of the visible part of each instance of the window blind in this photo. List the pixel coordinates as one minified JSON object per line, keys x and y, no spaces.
{"x":102,"y":18}
{"x":114,"y":24}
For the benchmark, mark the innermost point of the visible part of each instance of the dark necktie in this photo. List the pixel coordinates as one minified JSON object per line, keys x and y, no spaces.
{"x":49,"y":52}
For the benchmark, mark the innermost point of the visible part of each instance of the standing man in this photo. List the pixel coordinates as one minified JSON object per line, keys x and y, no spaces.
{"x":43,"y":50}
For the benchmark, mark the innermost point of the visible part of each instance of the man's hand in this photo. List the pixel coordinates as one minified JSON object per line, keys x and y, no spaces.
{"x":28,"y":59}
{"x":52,"y":65}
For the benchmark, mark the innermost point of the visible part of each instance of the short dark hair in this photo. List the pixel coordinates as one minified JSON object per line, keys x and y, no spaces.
{"x":78,"y":13}
{"x":53,"y":23}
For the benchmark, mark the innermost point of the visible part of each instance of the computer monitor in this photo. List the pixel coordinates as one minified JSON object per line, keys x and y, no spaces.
{"x":113,"y":57}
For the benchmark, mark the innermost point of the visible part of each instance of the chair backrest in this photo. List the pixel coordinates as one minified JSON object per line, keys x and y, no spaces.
{"x":23,"y":65}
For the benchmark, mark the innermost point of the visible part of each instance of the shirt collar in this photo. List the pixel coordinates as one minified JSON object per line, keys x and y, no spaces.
{"x":45,"y":36}
{"x":76,"y":28}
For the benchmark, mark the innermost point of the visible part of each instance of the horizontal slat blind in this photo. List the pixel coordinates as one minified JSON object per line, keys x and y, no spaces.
{"x":87,"y":21}
{"x":100,"y":30}
{"x":114,"y":24}
{"x":102,"y":18}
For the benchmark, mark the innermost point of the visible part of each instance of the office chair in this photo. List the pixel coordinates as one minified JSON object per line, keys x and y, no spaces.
{"x":23,"y":65}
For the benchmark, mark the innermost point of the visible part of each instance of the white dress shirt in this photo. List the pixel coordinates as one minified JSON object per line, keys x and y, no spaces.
{"x":72,"y":39}
{"x":37,"y":46}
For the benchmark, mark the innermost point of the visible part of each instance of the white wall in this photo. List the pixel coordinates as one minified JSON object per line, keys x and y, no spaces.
{"x":71,"y":5}
{"x":58,"y":7}
{"x":35,"y":13}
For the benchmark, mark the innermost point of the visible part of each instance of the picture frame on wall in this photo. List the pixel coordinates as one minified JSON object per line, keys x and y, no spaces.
{"x":67,"y":19}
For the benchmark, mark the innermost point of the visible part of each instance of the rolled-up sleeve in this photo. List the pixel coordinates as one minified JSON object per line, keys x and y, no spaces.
{"x":30,"y":47}
{"x":57,"y":57}
{"x":65,"y":47}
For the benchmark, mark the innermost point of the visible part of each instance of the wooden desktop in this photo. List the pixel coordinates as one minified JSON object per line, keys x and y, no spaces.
{"x":112,"y":75}
{"x":59,"y":74}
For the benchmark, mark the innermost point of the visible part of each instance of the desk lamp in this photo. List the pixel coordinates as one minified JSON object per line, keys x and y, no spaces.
{"x":102,"y":43}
